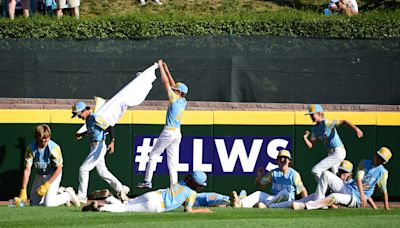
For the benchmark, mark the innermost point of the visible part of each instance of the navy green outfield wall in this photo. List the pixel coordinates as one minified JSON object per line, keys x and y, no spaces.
{"x":380,"y":129}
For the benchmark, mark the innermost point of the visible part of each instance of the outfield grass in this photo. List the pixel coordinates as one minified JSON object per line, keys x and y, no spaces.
{"x":221,"y":217}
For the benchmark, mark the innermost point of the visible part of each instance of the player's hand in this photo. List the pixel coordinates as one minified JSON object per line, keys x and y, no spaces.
{"x":359,"y":133}
{"x":111,"y":147}
{"x":42,"y":190}
{"x":78,"y":136}
{"x":22,"y":195}
{"x":260,"y":171}
{"x":160,"y":62}
{"x":306,"y":134}
{"x":363,"y":201}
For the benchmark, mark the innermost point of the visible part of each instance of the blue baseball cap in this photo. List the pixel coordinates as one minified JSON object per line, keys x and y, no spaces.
{"x":181,"y":87}
{"x":78,"y":108}
{"x":200,"y":177}
{"x":314,"y":108}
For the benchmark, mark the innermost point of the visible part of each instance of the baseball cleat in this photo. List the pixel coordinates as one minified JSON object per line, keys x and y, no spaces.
{"x":104,"y":193}
{"x":235,"y":201}
{"x":144,"y":185}
{"x":93,"y":206}
{"x":123,"y":194}
{"x":298,"y":206}
{"x":74,"y":198}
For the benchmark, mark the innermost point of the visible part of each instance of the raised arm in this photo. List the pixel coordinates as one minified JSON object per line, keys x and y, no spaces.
{"x":171,"y":80}
{"x":308,"y":142}
{"x":164,"y":76}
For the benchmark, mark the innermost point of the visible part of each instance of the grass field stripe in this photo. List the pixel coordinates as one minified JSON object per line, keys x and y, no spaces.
{"x":253,"y":118}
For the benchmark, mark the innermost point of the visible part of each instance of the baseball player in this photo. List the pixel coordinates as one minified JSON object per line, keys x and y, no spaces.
{"x":285,"y":183}
{"x":96,"y":157}
{"x":45,"y":156}
{"x":170,"y":137}
{"x":182,"y":193}
{"x":356,"y":193}
{"x":325,"y":131}
{"x":344,"y":173}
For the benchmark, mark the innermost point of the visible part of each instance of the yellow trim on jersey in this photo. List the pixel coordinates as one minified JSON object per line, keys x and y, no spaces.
{"x":204,"y":117}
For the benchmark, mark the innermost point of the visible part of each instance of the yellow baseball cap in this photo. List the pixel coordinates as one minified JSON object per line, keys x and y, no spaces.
{"x":285,"y":153}
{"x":346,"y":166}
{"x":385,"y":153}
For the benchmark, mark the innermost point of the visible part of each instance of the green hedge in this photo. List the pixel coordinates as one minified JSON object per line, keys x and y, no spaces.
{"x":282,"y":23}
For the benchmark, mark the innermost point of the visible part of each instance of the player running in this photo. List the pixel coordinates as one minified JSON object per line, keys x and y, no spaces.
{"x":45,"y":156}
{"x":356,"y":193}
{"x":285,"y":183}
{"x":182,"y":193}
{"x":98,"y":149}
{"x":325,"y":131}
{"x":170,"y":137}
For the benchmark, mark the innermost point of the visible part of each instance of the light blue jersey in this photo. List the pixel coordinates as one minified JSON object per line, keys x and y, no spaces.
{"x":45,"y":160}
{"x":371,"y":175}
{"x":175,"y":110}
{"x":95,"y":132}
{"x":291,"y":182}
{"x":326,"y":132}
{"x":209,"y":199}
{"x":177,"y":195}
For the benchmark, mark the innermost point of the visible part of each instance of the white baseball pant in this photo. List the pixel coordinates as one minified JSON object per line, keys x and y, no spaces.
{"x":51,"y":199}
{"x":288,"y":204}
{"x":328,"y":179}
{"x":332,"y":161}
{"x":149,"y":202}
{"x":96,"y":158}
{"x":265,"y":198}
{"x":169,"y":140}
{"x":345,"y":199}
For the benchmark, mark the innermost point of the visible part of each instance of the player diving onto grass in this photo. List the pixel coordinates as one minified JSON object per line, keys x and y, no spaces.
{"x":286,"y":182}
{"x":182,"y":193}
{"x":325,"y":131}
{"x":356,"y":193}
{"x":170,"y":137}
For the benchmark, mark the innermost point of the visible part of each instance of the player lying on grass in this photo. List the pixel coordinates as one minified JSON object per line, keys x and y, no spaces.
{"x":325,"y":131}
{"x":285,"y":183}
{"x":182,"y":193}
{"x":356,"y":193}
{"x":45,"y":156}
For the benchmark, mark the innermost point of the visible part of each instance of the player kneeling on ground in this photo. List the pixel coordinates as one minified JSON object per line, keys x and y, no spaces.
{"x":285,"y":183}
{"x":181,"y":193}
{"x":45,"y":155}
{"x":355,"y":194}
